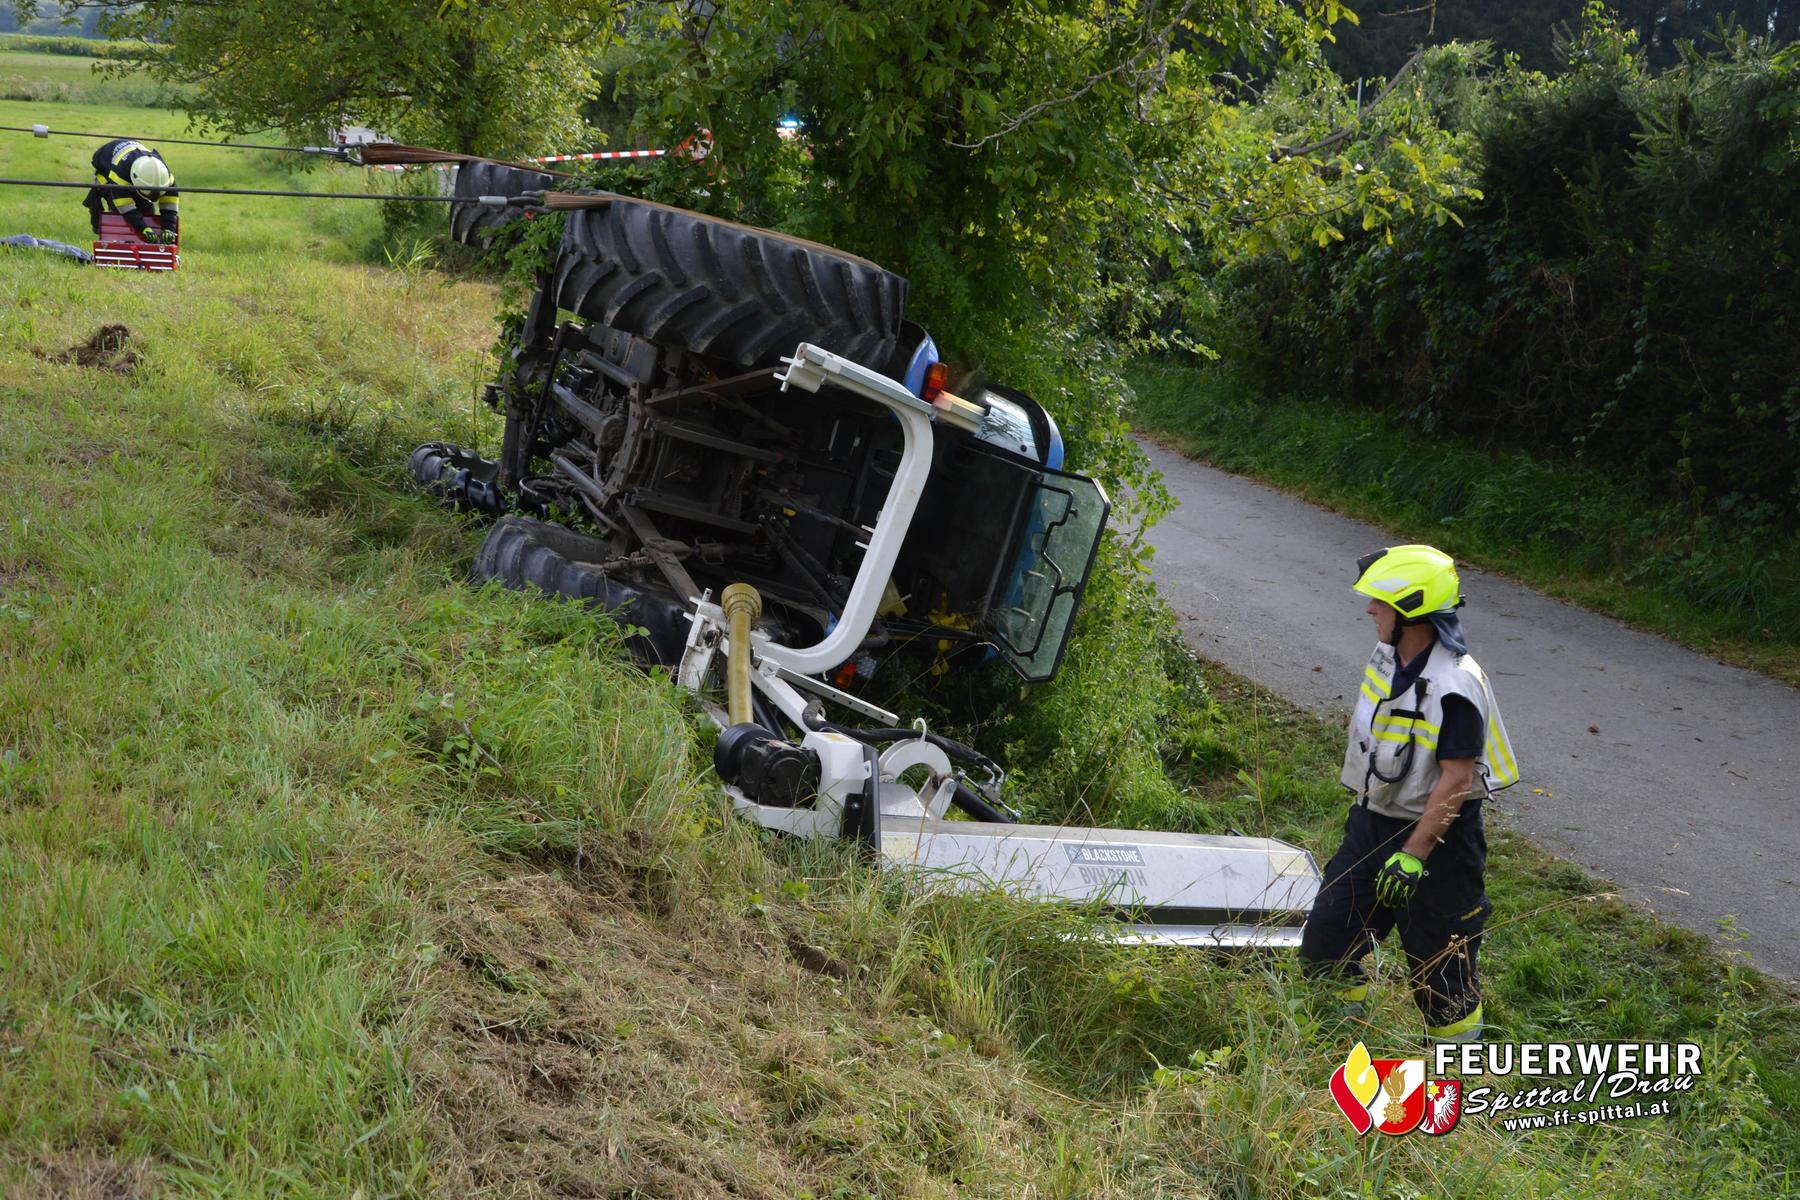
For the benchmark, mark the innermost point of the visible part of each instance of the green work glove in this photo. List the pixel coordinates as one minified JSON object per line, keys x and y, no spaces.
{"x":1398,"y":879}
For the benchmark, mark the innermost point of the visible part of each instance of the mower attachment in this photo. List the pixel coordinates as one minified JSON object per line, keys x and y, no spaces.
{"x":1174,"y":888}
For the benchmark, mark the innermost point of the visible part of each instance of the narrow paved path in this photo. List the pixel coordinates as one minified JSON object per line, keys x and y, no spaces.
{"x":1665,"y":772}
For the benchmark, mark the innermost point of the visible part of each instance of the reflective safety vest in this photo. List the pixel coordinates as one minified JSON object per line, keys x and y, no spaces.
{"x":1391,"y":760}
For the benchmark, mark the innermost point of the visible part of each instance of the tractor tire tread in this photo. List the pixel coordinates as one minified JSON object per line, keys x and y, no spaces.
{"x":725,"y":291}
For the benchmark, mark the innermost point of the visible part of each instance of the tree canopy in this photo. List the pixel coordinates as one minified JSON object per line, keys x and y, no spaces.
{"x":1390,"y":30}
{"x":1623,"y":287}
{"x":1032,"y":168}
{"x":483,"y":76}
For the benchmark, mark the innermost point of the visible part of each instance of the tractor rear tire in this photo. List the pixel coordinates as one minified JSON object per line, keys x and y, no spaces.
{"x":521,"y":553}
{"x":725,"y":291}
{"x":475,"y":224}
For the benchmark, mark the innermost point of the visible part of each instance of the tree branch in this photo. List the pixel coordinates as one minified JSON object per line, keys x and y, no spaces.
{"x":1146,"y":42}
{"x":1280,"y":153}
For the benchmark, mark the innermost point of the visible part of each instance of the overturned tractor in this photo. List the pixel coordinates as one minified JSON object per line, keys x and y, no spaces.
{"x":733,"y":442}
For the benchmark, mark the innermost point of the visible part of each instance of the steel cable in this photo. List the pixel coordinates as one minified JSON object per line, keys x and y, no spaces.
{"x":112,"y":137}
{"x":123,"y":190}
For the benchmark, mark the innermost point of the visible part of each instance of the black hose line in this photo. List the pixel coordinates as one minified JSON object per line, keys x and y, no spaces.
{"x":976,"y":805}
{"x":950,"y":746}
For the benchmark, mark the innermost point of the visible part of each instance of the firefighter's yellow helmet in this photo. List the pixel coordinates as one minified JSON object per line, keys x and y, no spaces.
{"x":1416,"y":580}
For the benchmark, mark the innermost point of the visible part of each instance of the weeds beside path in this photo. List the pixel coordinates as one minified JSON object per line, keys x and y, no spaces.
{"x":1576,"y":532}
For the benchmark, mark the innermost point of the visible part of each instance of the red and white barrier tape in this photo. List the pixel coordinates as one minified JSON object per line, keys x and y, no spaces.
{"x":695,"y":148}
{"x":598,"y":154}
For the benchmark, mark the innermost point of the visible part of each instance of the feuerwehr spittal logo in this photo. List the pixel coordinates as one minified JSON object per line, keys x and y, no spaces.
{"x":1394,"y":1096}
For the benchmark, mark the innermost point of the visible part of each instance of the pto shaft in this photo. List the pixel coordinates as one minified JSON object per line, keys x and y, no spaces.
{"x":743,"y":605}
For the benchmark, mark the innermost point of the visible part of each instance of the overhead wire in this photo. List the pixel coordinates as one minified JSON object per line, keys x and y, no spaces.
{"x":530,"y":199}
{"x":46,"y":131}
{"x":388,"y":155}
{"x":117,"y":189}
{"x":368,"y":154}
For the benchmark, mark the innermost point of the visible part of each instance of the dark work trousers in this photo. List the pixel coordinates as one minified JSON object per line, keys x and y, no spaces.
{"x":1440,"y":930}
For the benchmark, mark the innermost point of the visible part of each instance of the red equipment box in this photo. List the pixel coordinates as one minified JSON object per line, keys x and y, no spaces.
{"x":120,"y":246}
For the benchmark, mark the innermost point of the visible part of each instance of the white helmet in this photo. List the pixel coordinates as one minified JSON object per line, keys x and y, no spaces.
{"x":151,"y":174}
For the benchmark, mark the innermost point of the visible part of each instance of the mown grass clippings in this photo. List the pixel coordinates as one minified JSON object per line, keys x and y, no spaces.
{"x":686,"y":1057}
{"x":86,"y":1177}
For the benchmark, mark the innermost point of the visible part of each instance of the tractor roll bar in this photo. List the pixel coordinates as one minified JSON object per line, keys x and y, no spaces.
{"x":810,"y":369}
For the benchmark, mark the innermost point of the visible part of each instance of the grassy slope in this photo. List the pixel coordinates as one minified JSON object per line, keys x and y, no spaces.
{"x":67,"y":79}
{"x":1578,"y":532}
{"x":325,"y":872}
{"x":322,"y":872}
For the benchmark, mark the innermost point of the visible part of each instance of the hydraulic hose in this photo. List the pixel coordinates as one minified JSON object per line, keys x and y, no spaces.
{"x":973,"y":803}
{"x":950,"y":746}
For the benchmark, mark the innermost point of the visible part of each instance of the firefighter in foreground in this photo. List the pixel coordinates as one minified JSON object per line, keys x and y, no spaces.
{"x":1426,"y":747}
{"x":125,"y":164}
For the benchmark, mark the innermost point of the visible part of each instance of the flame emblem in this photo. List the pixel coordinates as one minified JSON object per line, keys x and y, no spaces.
{"x":1354,"y":1085}
{"x":1360,"y":1076}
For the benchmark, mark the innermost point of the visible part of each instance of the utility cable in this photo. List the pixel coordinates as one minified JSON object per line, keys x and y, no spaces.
{"x":555,"y":201}
{"x":386,"y":155}
{"x":118,"y":189}
{"x":389,"y":156}
{"x":45,"y":131}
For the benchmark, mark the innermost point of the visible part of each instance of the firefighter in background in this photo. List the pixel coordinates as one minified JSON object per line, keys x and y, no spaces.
{"x":123,"y":163}
{"x":1426,"y":747}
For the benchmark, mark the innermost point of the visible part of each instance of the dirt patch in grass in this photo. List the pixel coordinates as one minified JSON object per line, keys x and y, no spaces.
{"x":246,"y":479}
{"x":583,"y":1049}
{"x":107,"y":349}
{"x":85,"y":1177}
{"x":579,"y":1054}
{"x":25,"y":577}
{"x":82,"y":453}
